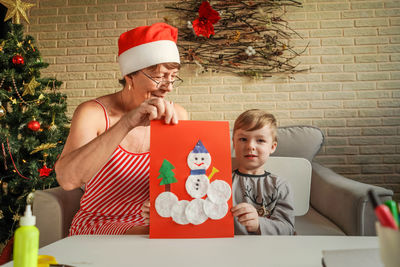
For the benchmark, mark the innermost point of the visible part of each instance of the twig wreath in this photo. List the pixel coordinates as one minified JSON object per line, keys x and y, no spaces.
{"x":247,"y":38}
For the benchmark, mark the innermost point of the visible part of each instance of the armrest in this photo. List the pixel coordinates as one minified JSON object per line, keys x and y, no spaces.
{"x":344,"y":201}
{"x":54,"y":210}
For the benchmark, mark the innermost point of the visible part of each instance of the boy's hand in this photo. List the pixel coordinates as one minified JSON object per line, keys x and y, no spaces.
{"x":247,"y":216}
{"x":146,"y":211}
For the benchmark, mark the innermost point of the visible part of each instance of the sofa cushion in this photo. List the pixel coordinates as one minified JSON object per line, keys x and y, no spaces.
{"x":299,"y":141}
{"x":313,"y":223}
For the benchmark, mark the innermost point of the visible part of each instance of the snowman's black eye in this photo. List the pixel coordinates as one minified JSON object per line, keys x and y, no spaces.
{"x":195,"y":158}
{"x":202,"y":158}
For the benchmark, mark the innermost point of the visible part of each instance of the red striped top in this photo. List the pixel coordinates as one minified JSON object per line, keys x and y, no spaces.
{"x":114,"y":196}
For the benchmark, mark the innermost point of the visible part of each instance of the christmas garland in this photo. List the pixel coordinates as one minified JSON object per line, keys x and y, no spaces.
{"x":247,"y":38}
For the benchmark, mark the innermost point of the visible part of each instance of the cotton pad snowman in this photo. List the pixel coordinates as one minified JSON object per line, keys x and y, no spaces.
{"x":219,"y":192}
{"x":178,"y":212}
{"x":215,"y":211}
{"x":164,"y":203}
{"x":198,"y":161}
{"x":195,"y":211}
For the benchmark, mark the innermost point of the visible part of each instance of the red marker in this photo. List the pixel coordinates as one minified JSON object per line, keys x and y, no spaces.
{"x":383,"y":213}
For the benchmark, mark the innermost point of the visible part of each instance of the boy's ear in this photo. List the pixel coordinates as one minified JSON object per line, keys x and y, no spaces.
{"x":273,"y":147}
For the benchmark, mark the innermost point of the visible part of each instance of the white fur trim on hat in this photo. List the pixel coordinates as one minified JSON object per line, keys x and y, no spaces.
{"x":148,"y":54}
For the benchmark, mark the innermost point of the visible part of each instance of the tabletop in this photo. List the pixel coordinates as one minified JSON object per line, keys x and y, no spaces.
{"x":277,"y":251}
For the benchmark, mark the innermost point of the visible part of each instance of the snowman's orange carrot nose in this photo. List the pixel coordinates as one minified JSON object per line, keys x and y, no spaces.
{"x":214,"y":171}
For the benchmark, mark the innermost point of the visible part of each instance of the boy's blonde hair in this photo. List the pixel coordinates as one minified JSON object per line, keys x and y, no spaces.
{"x":254,"y":119}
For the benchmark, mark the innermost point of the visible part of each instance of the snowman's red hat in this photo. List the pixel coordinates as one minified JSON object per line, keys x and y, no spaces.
{"x":146,"y":46}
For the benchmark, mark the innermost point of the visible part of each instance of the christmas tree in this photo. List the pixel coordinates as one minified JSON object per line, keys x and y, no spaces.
{"x":167,"y":175}
{"x":33,"y":126}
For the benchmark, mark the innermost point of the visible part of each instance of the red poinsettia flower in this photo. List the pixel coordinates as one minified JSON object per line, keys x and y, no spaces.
{"x":44,"y":171}
{"x":203,"y":25}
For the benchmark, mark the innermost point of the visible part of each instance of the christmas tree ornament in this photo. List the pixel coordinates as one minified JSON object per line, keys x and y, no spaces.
{"x":53,"y":126}
{"x":2,"y":45}
{"x":43,"y":147}
{"x":44,"y":171}
{"x":30,"y":43}
{"x":34,"y":125}
{"x":18,"y":60}
{"x":12,"y":160}
{"x":2,"y":111}
{"x":1,"y":215}
{"x":4,"y":156}
{"x":16,"y":9}
{"x":29,"y":88}
{"x":30,"y":197}
{"x":16,"y":217}
{"x":16,"y":91}
{"x":5,"y":188}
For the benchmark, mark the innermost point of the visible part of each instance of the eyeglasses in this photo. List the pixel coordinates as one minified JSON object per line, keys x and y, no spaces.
{"x":175,"y":83}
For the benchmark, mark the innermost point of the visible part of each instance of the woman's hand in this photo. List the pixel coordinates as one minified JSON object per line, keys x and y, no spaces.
{"x":247,"y":216}
{"x":153,"y":108}
{"x":146,"y":211}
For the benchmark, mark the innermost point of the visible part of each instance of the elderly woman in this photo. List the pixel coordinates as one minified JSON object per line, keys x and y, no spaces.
{"x":107,"y":149}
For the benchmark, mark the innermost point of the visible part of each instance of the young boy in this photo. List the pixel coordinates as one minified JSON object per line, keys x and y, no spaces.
{"x":262,"y":202}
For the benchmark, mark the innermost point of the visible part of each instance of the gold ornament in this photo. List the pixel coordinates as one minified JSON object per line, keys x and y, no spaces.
{"x":29,"y":88}
{"x":30,"y":197}
{"x":1,"y":215}
{"x":16,"y":8}
{"x":2,"y":45}
{"x":30,"y":43}
{"x":2,"y":111}
{"x":43,"y":147}
{"x":53,"y":126}
{"x":5,"y":188}
{"x":16,"y":217}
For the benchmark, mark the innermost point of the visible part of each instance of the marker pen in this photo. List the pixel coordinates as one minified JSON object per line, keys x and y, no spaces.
{"x":392,"y":205}
{"x":382,"y":211}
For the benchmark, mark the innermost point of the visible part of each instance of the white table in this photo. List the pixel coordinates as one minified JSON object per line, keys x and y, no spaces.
{"x":243,"y":251}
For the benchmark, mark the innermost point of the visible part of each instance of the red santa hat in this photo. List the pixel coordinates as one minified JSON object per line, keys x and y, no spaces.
{"x":146,"y":46}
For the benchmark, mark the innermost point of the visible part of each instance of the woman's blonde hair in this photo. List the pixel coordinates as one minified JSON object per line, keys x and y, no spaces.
{"x":254,"y":119}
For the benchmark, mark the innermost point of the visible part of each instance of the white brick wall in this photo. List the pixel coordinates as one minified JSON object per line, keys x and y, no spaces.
{"x":351,"y":91}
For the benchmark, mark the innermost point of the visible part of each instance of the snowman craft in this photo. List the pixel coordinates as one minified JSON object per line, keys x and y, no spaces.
{"x":197,"y":210}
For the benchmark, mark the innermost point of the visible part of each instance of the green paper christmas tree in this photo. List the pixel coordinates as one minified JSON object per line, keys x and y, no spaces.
{"x":167,"y":175}
{"x":33,"y":126}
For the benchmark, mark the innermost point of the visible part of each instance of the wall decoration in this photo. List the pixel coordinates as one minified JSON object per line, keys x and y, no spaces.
{"x":247,"y":38}
{"x":193,"y":158}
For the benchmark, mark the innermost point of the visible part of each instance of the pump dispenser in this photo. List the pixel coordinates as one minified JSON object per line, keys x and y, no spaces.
{"x":26,"y":241}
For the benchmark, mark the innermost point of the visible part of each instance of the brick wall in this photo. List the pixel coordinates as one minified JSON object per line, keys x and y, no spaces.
{"x":351,"y":92}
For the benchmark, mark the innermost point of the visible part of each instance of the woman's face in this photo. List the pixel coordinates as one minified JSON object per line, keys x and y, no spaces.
{"x":144,"y":82}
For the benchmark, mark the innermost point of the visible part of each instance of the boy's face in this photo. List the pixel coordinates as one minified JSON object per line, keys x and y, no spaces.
{"x":252,"y":149}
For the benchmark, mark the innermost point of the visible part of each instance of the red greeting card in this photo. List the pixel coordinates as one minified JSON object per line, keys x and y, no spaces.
{"x":190,"y":180}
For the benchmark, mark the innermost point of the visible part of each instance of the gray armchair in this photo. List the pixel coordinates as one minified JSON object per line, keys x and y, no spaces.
{"x":338,"y":205}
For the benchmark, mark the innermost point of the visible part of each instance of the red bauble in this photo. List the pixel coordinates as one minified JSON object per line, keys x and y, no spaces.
{"x":18,"y":60}
{"x":34,"y":125}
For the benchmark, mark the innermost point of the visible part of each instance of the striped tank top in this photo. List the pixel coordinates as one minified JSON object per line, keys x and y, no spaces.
{"x":114,"y":196}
